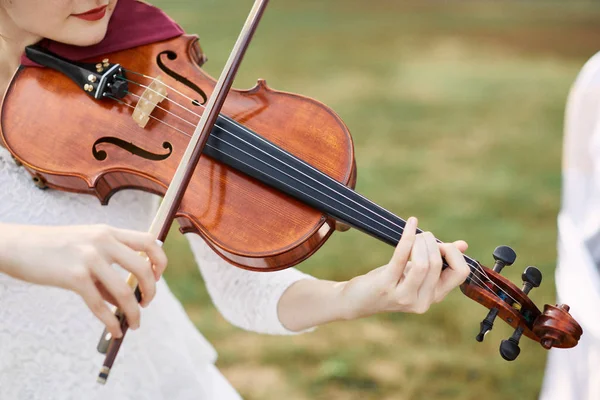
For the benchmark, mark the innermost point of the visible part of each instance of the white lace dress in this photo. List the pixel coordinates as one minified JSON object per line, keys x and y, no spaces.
{"x":48,"y":335}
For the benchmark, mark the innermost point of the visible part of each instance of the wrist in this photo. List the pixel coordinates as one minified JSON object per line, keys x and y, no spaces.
{"x":311,"y":302}
{"x":341,"y":307}
{"x":5,"y":248}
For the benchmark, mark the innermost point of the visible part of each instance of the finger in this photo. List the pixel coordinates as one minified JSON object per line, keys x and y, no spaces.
{"x":403,"y":249}
{"x":158,"y":257}
{"x":143,"y":241}
{"x":457,"y":272}
{"x":461,"y":245}
{"x":434,"y":259}
{"x":139,"y":266}
{"x":119,"y":290}
{"x":416,"y":273}
{"x":92,"y":298}
{"x":105,"y":293}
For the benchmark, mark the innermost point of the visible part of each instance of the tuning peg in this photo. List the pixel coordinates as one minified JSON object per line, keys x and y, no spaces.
{"x":486,"y":325}
{"x":509,"y":349}
{"x":504,"y":256}
{"x":532,"y":277}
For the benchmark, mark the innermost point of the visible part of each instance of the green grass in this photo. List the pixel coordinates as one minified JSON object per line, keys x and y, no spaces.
{"x":456,"y":110}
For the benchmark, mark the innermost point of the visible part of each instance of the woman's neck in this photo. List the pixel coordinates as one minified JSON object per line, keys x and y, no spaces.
{"x":13,"y":41}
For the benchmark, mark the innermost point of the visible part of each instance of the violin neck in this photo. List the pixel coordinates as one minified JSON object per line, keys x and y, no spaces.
{"x":247,"y":152}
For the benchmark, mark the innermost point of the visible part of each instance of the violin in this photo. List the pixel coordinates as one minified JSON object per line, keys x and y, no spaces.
{"x":275,"y":180}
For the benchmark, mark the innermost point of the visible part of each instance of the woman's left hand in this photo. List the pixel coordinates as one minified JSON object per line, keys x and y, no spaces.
{"x":411,"y":281}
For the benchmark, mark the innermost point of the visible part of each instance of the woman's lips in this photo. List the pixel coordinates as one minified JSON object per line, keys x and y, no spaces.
{"x":92,"y":15}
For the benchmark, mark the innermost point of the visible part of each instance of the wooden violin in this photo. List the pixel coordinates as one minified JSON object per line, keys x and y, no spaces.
{"x":276,"y":179}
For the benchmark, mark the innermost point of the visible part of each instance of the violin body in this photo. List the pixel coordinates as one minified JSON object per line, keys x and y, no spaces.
{"x":245,"y":221}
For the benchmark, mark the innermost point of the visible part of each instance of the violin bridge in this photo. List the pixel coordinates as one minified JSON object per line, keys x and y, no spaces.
{"x":154,"y":94}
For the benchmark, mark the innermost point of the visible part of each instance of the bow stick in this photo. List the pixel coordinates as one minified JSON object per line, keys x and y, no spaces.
{"x":172,"y":199}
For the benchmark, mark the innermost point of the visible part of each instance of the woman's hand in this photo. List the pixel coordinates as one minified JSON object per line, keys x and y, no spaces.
{"x":411,"y":281}
{"x":79,"y":258}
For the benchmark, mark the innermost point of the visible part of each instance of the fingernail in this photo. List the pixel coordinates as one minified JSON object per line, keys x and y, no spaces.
{"x":411,"y":221}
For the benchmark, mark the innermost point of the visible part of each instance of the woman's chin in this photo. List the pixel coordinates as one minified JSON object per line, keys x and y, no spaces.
{"x":87,"y":42}
{"x":78,"y":32}
{"x":89,"y":38}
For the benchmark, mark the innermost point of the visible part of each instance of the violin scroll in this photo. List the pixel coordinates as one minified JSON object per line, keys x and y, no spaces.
{"x":555,"y":327}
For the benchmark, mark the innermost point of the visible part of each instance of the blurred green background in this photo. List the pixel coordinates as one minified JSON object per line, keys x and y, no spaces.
{"x":456,"y":110}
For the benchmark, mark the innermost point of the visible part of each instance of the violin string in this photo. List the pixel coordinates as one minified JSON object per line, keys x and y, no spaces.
{"x":277,"y":169}
{"x":478,"y":268}
{"x":472,"y":262}
{"x":162,"y":83}
{"x":476,"y":279}
{"x":289,"y":166}
{"x":480,"y":282}
{"x":168,"y":112}
{"x":474,"y":265}
{"x":166,"y":97}
{"x":258,"y":137}
{"x":482,"y":270}
{"x":259,"y":149}
{"x":216,"y":149}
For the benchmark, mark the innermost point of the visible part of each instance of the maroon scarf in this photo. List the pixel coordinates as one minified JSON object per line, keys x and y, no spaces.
{"x":133,"y":23}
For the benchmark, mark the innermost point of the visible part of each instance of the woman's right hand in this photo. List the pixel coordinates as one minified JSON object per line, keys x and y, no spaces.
{"x":79,"y":258}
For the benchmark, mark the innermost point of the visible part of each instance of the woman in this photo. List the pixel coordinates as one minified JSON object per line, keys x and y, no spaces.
{"x":47,"y":335}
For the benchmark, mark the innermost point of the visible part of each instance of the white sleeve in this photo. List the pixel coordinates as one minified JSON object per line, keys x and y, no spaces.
{"x":581,"y":157}
{"x":246,"y":299}
{"x":581,"y":117}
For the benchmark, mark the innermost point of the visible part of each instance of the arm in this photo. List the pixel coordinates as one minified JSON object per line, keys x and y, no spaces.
{"x":410,"y":282}
{"x":289,"y":301}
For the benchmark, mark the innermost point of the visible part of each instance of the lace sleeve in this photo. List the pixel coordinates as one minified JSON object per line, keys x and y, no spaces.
{"x":246,"y":299}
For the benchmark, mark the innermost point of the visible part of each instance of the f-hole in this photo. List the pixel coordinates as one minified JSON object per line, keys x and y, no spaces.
{"x":171,"y":55}
{"x":101,"y":155}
